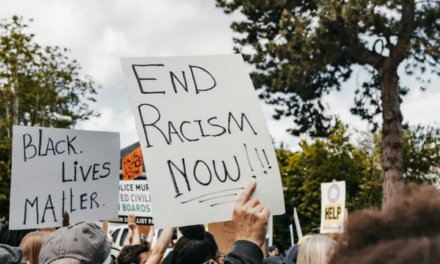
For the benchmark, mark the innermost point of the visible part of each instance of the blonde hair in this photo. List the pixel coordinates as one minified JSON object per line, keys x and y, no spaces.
{"x":66,"y":261}
{"x":31,"y":245}
{"x":316,"y":250}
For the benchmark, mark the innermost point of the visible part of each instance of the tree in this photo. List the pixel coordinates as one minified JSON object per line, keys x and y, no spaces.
{"x":335,"y":157}
{"x":303,"y":50}
{"x":39,"y":86}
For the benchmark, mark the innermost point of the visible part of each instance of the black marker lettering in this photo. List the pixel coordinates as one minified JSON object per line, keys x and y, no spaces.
{"x":25,"y":146}
{"x":105,"y":167}
{"x":216,"y":125}
{"x":87,"y":174}
{"x":152,"y":125}
{"x":139,"y":80}
{"x":95,"y":172}
{"x":201,"y":128}
{"x":241,"y":125}
{"x":49,"y":200}
{"x":71,"y":202}
{"x":56,"y":147}
{"x":92,"y":200}
{"x":173,"y":76}
{"x":173,"y":178}
{"x":226,"y":171}
{"x":51,"y":147}
{"x":172,"y":128}
{"x":63,"y":199}
{"x":195,"y":174}
{"x":82,"y":201}
{"x":34,"y":203}
{"x":70,"y":146}
{"x":40,"y":132}
{"x":63,"y":173}
{"x":183,"y":135}
{"x":195,"y":82}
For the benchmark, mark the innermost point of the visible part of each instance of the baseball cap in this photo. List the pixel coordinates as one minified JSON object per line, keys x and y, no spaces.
{"x":10,"y":255}
{"x":85,"y":242}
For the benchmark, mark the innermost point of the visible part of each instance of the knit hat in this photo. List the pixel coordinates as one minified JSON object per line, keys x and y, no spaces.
{"x":10,"y":255}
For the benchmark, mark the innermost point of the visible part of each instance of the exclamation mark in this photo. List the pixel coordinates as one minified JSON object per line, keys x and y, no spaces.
{"x":267,"y":160}
{"x":249,"y":162}
{"x":258,"y":155}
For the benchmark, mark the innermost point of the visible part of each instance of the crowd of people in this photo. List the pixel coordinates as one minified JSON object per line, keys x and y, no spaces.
{"x":406,"y":231}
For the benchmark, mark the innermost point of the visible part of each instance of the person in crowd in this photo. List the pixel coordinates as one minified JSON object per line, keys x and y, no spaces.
{"x":168,"y":258}
{"x":13,"y":238}
{"x":196,"y":246}
{"x":83,"y":243}
{"x":10,"y":255}
{"x":134,"y":254}
{"x":292,"y":253}
{"x":405,"y":231}
{"x":31,"y":245}
{"x":272,"y":251}
{"x":316,"y":249}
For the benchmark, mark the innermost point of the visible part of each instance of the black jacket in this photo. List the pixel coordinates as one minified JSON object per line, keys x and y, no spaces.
{"x":244,"y":252}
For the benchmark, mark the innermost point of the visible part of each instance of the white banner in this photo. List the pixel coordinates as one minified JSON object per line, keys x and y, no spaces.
{"x":332,"y":207}
{"x":203,"y":137}
{"x":134,"y":198}
{"x":58,"y":170}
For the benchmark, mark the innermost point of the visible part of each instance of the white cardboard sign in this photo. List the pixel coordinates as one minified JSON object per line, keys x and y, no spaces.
{"x":332,"y":207}
{"x":134,"y":198}
{"x":58,"y":170}
{"x":203,"y":137}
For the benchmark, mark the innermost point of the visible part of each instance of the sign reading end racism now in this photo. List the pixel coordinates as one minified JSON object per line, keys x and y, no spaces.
{"x":203,"y":137}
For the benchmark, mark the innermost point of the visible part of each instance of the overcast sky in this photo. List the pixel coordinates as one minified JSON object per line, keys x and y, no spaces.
{"x":100,"y":32}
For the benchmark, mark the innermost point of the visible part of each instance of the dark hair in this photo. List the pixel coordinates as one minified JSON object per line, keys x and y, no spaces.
{"x":13,"y":238}
{"x":406,"y":231}
{"x":195,"y":247}
{"x":130,"y":254}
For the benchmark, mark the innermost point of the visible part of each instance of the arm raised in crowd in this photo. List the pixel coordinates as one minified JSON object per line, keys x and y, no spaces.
{"x":161,"y":246}
{"x":250,"y":220}
{"x":136,"y":237}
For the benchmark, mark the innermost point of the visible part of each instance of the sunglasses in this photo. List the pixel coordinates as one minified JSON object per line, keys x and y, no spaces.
{"x":221,"y":259}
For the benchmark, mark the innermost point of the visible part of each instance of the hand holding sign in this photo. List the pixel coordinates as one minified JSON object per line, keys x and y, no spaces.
{"x":250,"y":217}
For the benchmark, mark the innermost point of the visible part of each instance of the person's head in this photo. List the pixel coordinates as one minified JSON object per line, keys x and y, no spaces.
{"x":31,"y":245}
{"x":407,"y":230}
{"x":196,"y":246}
{"x":13,"y":237}
{"x":316,"y":249}
{"x":272,"y":251}
{"x":134,"y":254}
{"x":84,"y":242}
{"x":10,"y":255}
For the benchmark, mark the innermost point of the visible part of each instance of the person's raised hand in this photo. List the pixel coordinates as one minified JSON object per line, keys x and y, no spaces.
{"x":250,"y":217}
{"x":131,"y":221}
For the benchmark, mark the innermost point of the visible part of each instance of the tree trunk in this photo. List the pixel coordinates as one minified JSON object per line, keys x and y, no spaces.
{"x":392,"y":175}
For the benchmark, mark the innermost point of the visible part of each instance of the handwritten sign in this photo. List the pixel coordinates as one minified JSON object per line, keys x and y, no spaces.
{"x":332,"y":207}
{"x":134,"y":198}
{"x":58,"y":170}
{"x":132,"y":165}
{"x":203,"y":137}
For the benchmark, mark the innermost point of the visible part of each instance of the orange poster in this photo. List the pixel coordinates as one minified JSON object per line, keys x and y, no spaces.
{"x":132,"y":165}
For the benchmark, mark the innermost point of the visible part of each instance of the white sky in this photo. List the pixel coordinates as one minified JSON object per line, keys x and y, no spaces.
{"x":100,"y":32}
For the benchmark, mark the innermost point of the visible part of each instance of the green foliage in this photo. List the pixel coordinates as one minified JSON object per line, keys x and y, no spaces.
{"x":359,"y":164}
{"x":303,"y":50}
{"x":39,"y":86}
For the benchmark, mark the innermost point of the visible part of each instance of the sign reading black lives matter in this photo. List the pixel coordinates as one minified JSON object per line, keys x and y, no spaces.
{"x":62,"y":170}
{"x":203,"y":137}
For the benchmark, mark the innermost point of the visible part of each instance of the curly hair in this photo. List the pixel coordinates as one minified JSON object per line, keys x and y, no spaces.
{"x":406,"y":231}
{"x":130,"y":254}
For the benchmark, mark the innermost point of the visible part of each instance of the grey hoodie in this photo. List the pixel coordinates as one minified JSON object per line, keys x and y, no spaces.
{"x":10,"y":255}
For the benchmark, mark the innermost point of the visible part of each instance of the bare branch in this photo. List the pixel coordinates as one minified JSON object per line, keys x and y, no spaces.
{"x":365,"y":56}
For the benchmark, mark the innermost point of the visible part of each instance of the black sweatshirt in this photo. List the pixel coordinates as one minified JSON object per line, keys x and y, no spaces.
{"x":244,"y":252}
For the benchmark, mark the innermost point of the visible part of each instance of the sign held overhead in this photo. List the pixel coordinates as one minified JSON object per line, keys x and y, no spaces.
{"x":203,"y":136}
{"x":332,"y":207}
{"x":61,"y":170}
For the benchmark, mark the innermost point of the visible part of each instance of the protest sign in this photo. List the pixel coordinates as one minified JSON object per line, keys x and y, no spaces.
{"x":203,"y":137}
{"x":132,"y":165}
{"x":332,"y":207}
{"x":134,"y":198}
{"x":224,"y":234}
{"x":61,"y":170}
